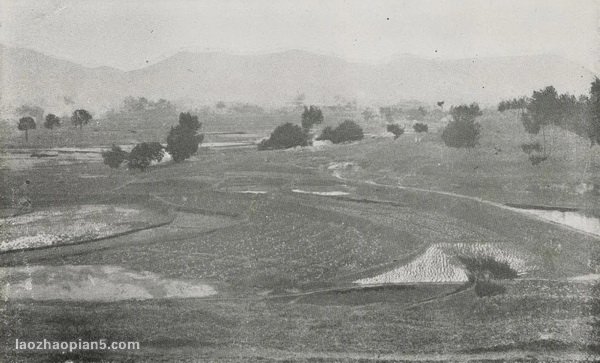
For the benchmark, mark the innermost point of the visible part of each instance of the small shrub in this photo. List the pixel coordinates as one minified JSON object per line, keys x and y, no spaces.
{"x":537,"y":159}
{"x":462,"y":133}
{"x":285,"y":136}
{"x":395,"y":129}
{"x":488,"y":288}
{"x":51,"y":121}
{"x":420,"y":127}
{"x":531,"y":147}
{"x":483,"y":268}
{"x":114,"y":157}
{"x":344,"y":132}
{"x":143,"y":154}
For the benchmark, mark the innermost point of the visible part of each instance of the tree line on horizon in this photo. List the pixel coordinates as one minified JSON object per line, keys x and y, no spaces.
{"x":545,"y":107}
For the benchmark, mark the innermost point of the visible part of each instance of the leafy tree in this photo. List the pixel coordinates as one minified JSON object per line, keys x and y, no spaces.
{"x":463,"y":131}
{"x":183,"y":139}
{"x":395,"y":129}
{"x":344,"y":132}
{"x":285,"y":136}
{"x":114,"y":157}
{"x":311,"y":116}
{"x":544,"y":108}
{"x":33,"y":111}
{"x":25,"y":124}
{"x":187,"y":120}
{"x":593,"y":118}
{"x":142,"y":155}
{"x":52,"y":121}
{"x":80,"y":118}
{"x":420,"y":127}
{"x":514,"y":104}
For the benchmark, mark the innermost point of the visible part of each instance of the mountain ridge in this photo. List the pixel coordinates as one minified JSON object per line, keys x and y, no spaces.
{"x":275,"y":79}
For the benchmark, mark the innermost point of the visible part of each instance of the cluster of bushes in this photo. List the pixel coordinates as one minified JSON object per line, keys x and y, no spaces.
{"x":285,"y":136}
{"x":182,"y":142}
{"x":345,"y":132}
{"x":289,"y":135}
{"x":391,"y":113}
{"x":140,"y":157}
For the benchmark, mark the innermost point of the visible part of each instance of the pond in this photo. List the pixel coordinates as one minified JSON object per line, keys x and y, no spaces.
{"x":27,"y":158}
{"x":570,"y":217}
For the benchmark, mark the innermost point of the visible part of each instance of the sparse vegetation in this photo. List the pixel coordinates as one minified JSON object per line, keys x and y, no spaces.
{"x":529,"y":148}
{"x":368,"y":114}
{"x":285,"y":136}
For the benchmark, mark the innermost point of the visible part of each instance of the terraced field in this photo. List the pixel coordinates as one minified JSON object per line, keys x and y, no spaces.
{"x":271,"y":255}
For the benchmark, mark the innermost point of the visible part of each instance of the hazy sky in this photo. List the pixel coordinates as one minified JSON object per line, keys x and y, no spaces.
{"x":128,"y":34}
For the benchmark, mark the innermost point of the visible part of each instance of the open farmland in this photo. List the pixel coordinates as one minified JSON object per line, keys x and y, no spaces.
{"x":262,"y":253}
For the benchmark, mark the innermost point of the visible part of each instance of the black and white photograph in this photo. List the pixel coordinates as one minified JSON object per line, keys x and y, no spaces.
{"x":299,"y":181}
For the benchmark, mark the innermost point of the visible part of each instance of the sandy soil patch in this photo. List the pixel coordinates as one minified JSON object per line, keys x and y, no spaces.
{"x":92,"y":283}
{"x":439,"y":264}
{"x":70,"y":224}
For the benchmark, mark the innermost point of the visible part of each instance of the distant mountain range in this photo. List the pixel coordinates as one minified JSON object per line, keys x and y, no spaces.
{"x":29,"y":77}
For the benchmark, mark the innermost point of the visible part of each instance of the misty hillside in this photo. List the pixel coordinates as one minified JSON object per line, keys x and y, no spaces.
{"x":276,"y":79}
